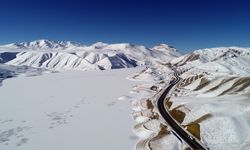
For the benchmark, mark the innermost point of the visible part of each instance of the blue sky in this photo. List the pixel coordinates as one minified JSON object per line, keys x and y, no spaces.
{"x":185,"y":24}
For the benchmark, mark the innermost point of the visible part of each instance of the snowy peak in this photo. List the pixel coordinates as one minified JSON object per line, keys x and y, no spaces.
{"x":43,"y":44}
{"x":164,"y":47}
{"x":99,"y":45}
{"x":117,"y":46}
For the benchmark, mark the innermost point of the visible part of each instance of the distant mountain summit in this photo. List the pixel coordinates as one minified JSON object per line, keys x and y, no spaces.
{"x":43,"y":44}
{"x":164,"y":47}
{"x":99,"y":45}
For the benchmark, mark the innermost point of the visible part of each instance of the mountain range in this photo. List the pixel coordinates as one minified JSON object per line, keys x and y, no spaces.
{"x":66,"y":55}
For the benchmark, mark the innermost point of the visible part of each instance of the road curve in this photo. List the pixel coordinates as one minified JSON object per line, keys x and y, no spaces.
{"x":176,"y":129}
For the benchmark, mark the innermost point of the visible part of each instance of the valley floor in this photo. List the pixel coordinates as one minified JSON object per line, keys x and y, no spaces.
{"x":70,"y":110}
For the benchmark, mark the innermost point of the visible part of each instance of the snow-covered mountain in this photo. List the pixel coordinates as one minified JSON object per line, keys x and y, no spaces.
{"x":61,"y":55}
{"x":224,"y":60}
{"x":66,"y":55}
{"x":41,"y":45}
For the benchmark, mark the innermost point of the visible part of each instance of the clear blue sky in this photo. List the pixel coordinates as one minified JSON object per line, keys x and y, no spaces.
{"x":185,"y":24}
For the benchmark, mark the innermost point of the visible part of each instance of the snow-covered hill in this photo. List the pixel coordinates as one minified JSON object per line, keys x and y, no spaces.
{"x":211,"y":100}
{"x":223,"y":60}
{"x":64,"y":55}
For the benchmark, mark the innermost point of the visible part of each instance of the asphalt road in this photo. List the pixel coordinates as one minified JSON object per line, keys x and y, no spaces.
{"x":176,"y":129}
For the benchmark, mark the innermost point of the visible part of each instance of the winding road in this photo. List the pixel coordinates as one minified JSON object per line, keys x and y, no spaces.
{"x":177,"y":130}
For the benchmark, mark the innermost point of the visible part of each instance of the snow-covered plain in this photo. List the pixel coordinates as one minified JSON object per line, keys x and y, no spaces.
{"x":68,"y":110}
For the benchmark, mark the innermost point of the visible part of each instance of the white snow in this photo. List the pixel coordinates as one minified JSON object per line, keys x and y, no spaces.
{"x":91,"y":110}
{"x":229,"y":124}
{"x":68,"y":110}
